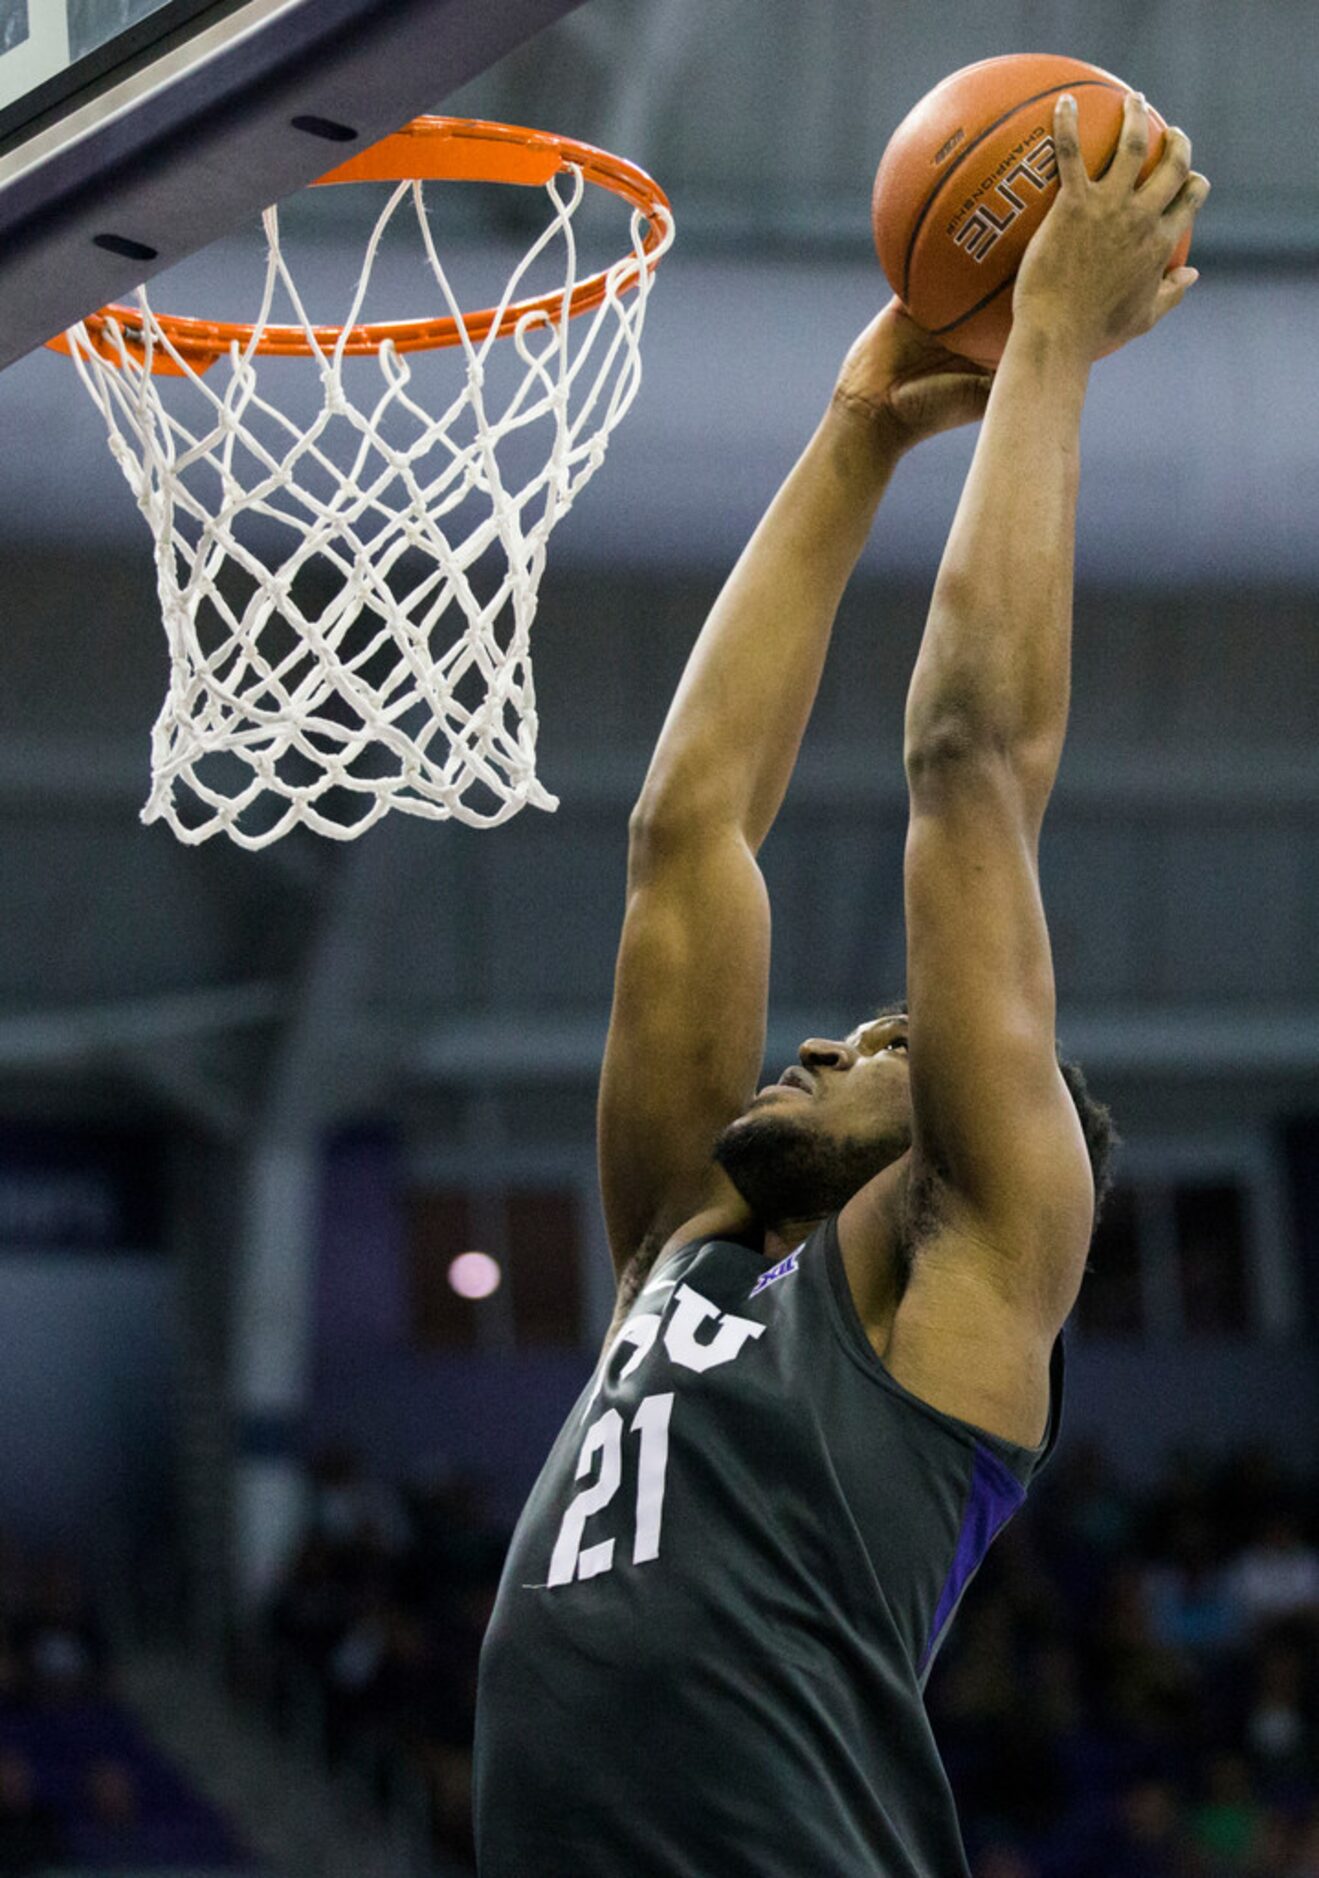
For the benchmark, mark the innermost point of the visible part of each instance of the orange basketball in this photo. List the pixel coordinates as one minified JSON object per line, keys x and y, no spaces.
{"x":966,"y":180}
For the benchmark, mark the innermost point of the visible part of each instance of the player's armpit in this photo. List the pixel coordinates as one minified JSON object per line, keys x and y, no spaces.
{"x":998,"y":1154}
{"x":960,"y":1345}
{"x":687,"y":1030}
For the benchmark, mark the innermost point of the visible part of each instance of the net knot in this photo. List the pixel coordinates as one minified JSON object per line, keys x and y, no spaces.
{"x":337,"y":402}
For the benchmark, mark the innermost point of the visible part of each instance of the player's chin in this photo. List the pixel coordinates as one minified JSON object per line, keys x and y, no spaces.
{"x":763,"y":1127}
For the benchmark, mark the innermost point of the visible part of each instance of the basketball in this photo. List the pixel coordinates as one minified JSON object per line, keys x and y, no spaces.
{"x":967,"y":178}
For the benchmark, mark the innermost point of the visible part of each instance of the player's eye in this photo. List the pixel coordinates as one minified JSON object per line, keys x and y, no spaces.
{"x":896,"y":1043}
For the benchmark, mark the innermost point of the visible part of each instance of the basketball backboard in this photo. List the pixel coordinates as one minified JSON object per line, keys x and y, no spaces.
{"x":135,"y":132}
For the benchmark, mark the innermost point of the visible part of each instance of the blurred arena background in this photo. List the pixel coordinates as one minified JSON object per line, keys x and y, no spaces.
{"x":258,"y":1457}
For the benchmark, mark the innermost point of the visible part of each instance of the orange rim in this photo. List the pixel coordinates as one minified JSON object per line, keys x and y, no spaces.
{"x":428,"y":149}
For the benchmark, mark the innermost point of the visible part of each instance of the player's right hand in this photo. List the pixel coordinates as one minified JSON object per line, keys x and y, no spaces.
{"x":1095,"y":273}
{"x":910,"y":386}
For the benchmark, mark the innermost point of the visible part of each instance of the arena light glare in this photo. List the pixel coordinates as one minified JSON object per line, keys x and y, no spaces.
{"x":475,"y":1275}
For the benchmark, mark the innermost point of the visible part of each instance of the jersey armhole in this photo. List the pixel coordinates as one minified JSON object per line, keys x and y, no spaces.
{"x":1022,"y":1462}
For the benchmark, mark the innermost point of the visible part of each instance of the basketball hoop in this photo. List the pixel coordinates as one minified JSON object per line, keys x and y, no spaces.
{"x":282,"y":713}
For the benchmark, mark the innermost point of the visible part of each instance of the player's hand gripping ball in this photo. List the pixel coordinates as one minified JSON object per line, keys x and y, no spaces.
{"x":967,"y":178}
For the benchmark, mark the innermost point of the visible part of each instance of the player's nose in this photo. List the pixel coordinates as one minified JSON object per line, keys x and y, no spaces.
{"x":826,"y":1053}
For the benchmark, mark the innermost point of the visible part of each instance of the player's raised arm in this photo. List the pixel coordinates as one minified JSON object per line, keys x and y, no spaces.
{"x":1000,"y":1189}
{"x":687,"y":1032}
{"x":999,"y":1165}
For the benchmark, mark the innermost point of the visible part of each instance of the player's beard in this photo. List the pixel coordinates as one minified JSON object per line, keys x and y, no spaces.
{"x":786,"y":1172}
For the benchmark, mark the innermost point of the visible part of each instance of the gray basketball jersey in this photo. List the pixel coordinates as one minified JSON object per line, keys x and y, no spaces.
{"x":709,"y":1649}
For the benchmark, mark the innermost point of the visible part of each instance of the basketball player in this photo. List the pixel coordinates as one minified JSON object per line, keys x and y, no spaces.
{"x":836,"y":1362}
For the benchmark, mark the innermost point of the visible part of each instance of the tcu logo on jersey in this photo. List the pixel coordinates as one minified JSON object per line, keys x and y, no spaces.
{"x":697,"y":1335}
{"x":991,"y":220}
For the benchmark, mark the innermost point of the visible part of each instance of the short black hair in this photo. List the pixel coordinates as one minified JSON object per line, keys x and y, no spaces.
{"x":1101,"y":1136}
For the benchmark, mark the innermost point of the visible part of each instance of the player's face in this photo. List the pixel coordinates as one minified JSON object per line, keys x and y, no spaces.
{"x":833,"y":1120}
{"x":858,"y":1086}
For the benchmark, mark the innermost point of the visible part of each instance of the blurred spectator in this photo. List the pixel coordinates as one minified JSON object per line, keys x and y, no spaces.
{"x":1188,"y":1597}
{"x":1305,"y":1852}
{"x":1278,"y":1730}
{"x":1131,"y":1692}
{"x":1274,"y":1850}
{"x":1089,"y":1506}
{"x":348,"y":1508}
{"x":1277,"y":1576}
{"x":1147,"y":1692}
{"x":113,"y":1826}
{"x":1226,"y":1823}
{"x":30,"y":1839}
{"x":13,"y":1580}
{"x":109,"y":1828}
{"x":1147,"y":1837}
{"x":1004,"y":1861}
{"x":11,"y":1672}
{"x":385,"y":1602}
{"x":76,"y":1769}
{"x":1247,"y":1488}
{"x":58,"y":1638}
{"x":315,"y":1601}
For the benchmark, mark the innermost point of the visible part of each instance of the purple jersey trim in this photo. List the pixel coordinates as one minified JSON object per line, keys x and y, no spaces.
{"x":995,"y":1495}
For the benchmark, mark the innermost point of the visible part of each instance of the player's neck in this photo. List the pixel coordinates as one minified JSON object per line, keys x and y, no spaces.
{"x":787,"y":1236}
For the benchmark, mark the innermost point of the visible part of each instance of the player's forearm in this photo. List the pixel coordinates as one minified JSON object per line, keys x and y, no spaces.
{"x":732,"y":734}
{"x":993,"y":669}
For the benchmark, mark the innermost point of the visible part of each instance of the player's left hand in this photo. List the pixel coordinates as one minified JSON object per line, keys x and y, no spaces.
{"x":911,"y":385}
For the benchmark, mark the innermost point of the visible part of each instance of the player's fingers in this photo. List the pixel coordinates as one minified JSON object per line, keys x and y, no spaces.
{"x":1173,"y":289}
{"x":1170,"y":172}
{"x":1187,"y":203}
{"x":1067,"y":146}
{"x":1133,"y":143}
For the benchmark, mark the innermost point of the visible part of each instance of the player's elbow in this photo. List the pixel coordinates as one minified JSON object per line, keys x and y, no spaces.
{"x":949,"y":738}
{"x":663,"y":825}
{"x":954,"y":750}
{"x":679,"y":815}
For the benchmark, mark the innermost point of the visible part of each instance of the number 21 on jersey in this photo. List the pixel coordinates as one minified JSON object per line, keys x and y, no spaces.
{"x":651,"y":1424}
{"x":693,"y":1334}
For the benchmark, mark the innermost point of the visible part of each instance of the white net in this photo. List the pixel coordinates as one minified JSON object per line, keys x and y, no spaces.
{"x":349,"y":601}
